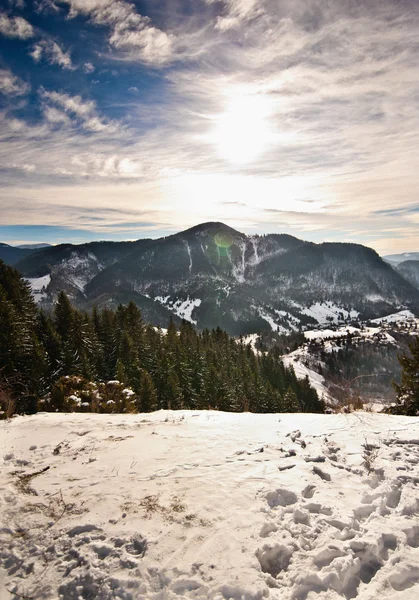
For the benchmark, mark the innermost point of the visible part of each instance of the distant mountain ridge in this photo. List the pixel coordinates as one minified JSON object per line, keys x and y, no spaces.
{"x":12,"y":254}
{"x":214,"y":275}
{"x":33,"y":246}
{"x":396,"y":259}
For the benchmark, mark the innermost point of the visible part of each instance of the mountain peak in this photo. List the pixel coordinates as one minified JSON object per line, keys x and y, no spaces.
{"x":211,"y":227}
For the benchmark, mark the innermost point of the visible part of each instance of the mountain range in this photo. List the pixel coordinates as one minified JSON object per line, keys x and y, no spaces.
{"x":213,"y":275}
{"x":12,"y":254}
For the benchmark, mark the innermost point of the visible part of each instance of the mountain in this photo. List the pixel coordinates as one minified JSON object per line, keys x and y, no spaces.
{"x":12,"y":254}
{"x":213,"y":275}
{"x":396,"y":259}
{"x":409,"y":269}
{"x":33,"y":246}
{"x":70,"y":267}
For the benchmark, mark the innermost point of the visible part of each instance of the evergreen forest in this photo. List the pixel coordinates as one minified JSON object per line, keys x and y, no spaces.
{"x":112,"y":361}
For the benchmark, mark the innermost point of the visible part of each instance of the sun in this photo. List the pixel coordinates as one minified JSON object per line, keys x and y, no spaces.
{"x":242,"y":132}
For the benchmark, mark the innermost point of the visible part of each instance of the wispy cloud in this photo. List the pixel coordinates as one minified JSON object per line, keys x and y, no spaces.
{"x":84,"y":111}
{"x":51,"y":52}
{"x":301,"y":116}
{"x":129,"y":30}
{"x":17,"y":3}
{"x":15,"y":27}
{"x":11,"y":85}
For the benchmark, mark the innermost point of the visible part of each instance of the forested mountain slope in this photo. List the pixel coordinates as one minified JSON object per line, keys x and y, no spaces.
{"x":213,"y":275}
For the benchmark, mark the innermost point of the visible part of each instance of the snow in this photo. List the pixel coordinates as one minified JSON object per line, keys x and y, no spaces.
{"x":269,"y":319}
{"x":255,"y":242}
{"x":298,"y":360}
{"x":403,"y":315}
{"x":181,"y":308}
{"x":190,"y":257}
{"x":252,"y":339}
{"x":207,"y":505}
{"x":328,"y":311}
{"x":184,"y":309}
{"x":38,"y":286}
{"x":365,"y":332}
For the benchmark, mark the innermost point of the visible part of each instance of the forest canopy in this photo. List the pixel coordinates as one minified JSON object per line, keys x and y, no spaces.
{"x":112,"y":361}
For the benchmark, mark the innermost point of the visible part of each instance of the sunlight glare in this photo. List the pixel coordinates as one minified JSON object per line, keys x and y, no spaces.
{"x":242,"y":132}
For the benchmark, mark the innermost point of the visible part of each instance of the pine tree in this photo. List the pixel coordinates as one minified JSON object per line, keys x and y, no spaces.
{"x":408,"y":389}
{"x":290,"y":402}
{"x":146,"y":397}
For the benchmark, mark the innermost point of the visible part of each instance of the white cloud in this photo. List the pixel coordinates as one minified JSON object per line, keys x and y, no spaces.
{"x":11,"y":85}
{"x":340,"y":81}
{"x":27,"y":168}
{"x":75,"y":106}
{"x":56,"y":116}
{"x":15,"y":27}
{"x":238,"y":11}
{"x":129,"y":30}
{"x":107,"y":167}
{"x":52,"y":53}
{"x":88,"y":67}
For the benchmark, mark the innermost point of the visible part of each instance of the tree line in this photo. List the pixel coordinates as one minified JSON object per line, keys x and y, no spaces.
{"x":111,"y":360}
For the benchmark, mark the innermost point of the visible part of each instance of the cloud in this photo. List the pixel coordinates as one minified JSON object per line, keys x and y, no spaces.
{"x":129,"y":31}
{"x":52,"y":53}
{"x":236,"y":12}
{"x":55,"y":116}
{"x":11,"y":85}
{"x":88,"y":67}
{"x":339,"y":84}
{"x":17,"y":3}
{"x":84,"y":111}
{"x":46,"y":6}
{"x":27,"y":168}
{"x":15,"y":27}
{"x":108,"y":167}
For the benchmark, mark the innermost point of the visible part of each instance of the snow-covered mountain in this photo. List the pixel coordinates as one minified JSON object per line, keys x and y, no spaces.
{"x":214,"y":275}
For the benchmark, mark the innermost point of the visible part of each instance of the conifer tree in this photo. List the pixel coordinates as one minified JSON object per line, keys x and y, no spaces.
{"x":408,"y":389}
{"x":147,"y":400}
{"x":290,"y":403}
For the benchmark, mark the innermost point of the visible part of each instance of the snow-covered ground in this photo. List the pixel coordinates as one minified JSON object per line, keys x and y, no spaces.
{"x":324,"y":312}
{"x":207,"y":505}
{"x":38,"y":287}
{"x":299,"y":360}
{"x":399,"y":317}
{"x":181,"y":308}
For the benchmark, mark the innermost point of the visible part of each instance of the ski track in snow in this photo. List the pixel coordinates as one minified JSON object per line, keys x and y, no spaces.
{"x":197,"y":505}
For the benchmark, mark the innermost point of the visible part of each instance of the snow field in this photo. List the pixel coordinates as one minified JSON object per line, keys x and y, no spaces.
{"x":197,"y":504}
{"x":38,"y":286}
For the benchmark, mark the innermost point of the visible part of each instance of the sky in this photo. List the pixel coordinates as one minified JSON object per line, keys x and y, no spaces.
{"x":123,"y":119}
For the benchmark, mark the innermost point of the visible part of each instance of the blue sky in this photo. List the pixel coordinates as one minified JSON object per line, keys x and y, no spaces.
{"x":124,"y":119}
